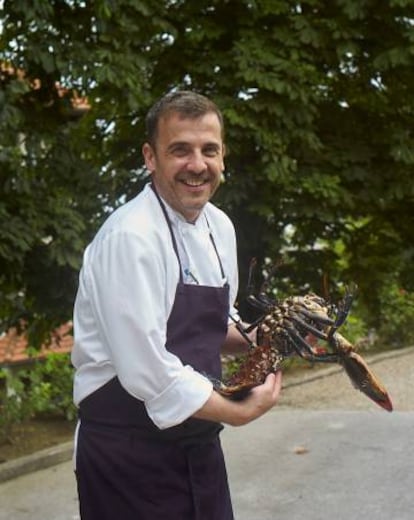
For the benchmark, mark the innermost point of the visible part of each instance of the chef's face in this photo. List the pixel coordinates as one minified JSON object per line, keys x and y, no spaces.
{"x":186,"y":161}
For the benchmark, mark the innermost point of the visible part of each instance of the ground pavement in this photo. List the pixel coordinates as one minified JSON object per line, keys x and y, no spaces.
{"x":344,"y":462}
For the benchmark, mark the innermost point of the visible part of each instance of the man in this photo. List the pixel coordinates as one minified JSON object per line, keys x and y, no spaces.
{"x":157,"y":286}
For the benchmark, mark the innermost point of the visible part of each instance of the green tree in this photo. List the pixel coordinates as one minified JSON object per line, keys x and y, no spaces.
{"x":317,"y":100}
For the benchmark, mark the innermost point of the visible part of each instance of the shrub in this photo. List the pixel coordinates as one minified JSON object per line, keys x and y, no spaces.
{"x":42,"y":389}
{"x":396,"y":327}
{"x":14,"y":407}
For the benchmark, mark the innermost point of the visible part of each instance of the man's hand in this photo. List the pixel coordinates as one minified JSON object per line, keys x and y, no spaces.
{"x":264,"y":397}
{"x":237,"y":413}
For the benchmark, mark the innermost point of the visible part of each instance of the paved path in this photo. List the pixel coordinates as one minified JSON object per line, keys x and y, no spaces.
{"x":291,"y":464}
{"x":322,"y":466}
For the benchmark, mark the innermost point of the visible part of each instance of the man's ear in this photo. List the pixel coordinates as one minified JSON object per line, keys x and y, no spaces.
{"x":149,"y":157}
{"x":223,"y":166}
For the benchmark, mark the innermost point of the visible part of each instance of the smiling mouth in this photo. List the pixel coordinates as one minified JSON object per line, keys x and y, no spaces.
{"x":194,"y":183}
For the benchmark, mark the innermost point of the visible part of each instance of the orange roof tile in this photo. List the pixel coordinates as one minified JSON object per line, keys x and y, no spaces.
{"x":79,"y":104}
{"x":13,"y":346}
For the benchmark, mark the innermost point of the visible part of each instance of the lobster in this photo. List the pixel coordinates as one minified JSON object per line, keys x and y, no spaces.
{"x":289,"y":328}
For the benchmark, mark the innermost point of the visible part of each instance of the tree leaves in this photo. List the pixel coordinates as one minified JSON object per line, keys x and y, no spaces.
{"x":318,"y":103}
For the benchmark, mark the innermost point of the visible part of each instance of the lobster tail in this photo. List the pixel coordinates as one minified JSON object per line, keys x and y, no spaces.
{"x":365,"y":380}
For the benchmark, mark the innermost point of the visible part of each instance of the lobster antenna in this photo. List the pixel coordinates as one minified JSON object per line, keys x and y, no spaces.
{"x":250,"y":284}
{"x":272,"y":272}
{"x":325,"y":286}
{"x":242,"y":331}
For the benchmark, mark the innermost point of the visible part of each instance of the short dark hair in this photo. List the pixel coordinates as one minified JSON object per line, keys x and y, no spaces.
{"x":187,"y":103}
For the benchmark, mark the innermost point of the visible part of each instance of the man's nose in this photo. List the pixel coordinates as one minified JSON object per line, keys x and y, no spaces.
{"x":197,"y":162}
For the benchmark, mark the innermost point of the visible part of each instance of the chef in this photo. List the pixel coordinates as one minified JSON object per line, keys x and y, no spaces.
{"x":151,"y":318}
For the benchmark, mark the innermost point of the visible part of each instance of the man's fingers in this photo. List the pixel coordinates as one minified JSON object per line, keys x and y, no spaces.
{"x":274,"y":382}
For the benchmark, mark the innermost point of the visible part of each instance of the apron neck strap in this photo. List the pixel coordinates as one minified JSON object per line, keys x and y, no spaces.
{"x":223,"y":275}
{"x":164,"y":210}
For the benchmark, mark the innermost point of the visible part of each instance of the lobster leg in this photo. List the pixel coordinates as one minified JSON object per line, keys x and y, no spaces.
{"x":244,"y":331}
{"x":309,"y":328}
{"x":253,"y":325}
{"x":304,"y":350}
{"x":342,"y":314}
{"x":262,"y":301}
{"x":324,"y":320}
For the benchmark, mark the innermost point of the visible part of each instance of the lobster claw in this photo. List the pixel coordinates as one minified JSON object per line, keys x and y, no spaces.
{"x":364,"y":380}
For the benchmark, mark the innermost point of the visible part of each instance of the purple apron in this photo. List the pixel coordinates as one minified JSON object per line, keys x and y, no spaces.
{"x":126,"y":467}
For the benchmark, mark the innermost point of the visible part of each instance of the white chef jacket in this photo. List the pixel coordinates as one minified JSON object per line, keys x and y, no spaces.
{"x":126,"y":291}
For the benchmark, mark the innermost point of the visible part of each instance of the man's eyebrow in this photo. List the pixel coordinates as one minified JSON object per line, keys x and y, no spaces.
{"x":185,"y":144}
{"x":212,"y":144}
{"x":177,"y":144}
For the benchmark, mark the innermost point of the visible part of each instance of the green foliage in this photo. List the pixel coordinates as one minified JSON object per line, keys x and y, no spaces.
{"x":14,"y":408}
{"x":51,"y":386}
{"x":357,"y":332}
{"x":42,"y":389}
{"x":317,"y":98}
{"x":395,"y":324}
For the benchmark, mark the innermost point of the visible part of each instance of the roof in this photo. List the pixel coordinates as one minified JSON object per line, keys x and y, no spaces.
{"x":14,"y":346}
{"x":77,"y":104}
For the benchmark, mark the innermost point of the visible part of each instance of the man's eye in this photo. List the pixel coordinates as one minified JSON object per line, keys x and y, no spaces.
{"x":179,"y":151}
{"x":211,"y":152}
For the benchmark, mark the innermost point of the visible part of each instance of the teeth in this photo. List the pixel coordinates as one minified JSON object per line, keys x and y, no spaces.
{"x":194,"y":182}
